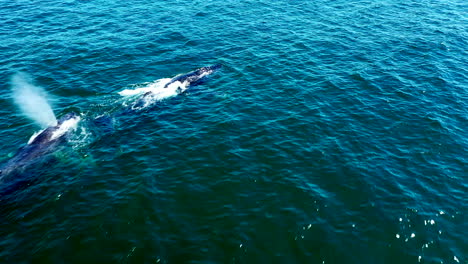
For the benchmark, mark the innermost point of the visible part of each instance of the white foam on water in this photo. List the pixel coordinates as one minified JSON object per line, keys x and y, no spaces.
{"x":155,"y":91}
{"x":32,"y":100}
{"x":66,"y":126}
{"x":81,"y":138}
{"x":149,"y":87}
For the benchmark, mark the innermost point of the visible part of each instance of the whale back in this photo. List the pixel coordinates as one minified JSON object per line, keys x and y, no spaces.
{"x":47,"y":135}
{"x":38,"y":146}
{"x":192,"y":77}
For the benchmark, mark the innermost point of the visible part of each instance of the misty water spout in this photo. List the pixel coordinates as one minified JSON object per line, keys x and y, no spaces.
{"x":32,"y":100}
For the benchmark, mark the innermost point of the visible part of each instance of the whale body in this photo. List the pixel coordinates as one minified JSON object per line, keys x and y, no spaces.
{"x":40,"y":144}
{"x":165,"y":88}
{"x":193,"y":77}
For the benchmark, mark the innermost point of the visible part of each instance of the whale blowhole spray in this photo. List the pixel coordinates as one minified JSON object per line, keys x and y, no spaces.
{"x":32,"y":100}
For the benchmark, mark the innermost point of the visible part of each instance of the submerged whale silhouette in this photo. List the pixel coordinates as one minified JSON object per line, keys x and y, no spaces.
{"x":40,"y":144}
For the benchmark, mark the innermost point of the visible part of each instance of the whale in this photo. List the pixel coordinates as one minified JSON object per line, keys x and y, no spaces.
{"x":40,"y":144}
{"x":168,"y":87}
{"x":193,"y":77}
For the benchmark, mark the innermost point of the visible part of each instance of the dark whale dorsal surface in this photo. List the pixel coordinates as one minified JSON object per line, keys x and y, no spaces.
{"x":40,"y":145}
{"x":195,"y":75}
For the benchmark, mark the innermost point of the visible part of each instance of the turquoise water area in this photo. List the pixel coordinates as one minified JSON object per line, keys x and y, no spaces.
{"x":336,"y":132}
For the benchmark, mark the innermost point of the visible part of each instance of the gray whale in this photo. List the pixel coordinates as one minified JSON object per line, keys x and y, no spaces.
{"x":40,"y":145}
{"x":193,"y":77}
{"x":175,"y":85}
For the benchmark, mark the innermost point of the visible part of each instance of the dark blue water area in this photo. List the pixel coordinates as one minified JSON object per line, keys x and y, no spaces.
{"x":336,"y":132}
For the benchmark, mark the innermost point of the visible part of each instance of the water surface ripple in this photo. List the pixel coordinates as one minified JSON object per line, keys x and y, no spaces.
{"x":335,"y":133}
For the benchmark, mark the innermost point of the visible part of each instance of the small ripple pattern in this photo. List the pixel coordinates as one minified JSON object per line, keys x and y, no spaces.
{"x":336,"y":132}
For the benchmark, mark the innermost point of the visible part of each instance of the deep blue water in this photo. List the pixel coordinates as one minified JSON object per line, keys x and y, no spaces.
{"x":336,"y":132}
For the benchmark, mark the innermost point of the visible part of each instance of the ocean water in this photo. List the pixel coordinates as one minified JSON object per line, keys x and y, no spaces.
{"x":336,"y":132}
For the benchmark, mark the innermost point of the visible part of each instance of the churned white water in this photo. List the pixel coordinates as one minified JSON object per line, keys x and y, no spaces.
{"x":155,"y":91}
